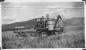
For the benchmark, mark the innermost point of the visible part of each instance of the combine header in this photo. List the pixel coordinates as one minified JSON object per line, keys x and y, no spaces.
{"x":49,"y":26}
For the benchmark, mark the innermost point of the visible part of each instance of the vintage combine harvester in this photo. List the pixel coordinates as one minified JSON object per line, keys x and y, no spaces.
{"x":49,"y":26}
{"x":44,"y":27}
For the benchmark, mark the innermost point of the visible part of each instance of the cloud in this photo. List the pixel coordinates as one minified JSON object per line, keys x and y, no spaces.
{"x":26,"y":11}
{"x":10,"y":19}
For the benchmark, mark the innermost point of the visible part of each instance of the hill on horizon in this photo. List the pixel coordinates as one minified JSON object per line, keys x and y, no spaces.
{"x":30,"y":23}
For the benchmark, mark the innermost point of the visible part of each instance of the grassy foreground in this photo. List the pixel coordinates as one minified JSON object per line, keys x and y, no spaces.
{"x":72,"y":37}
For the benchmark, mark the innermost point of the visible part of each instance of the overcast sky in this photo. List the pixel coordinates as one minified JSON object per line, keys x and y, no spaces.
{"x":40,"y":0}
{"x":23,"y":11}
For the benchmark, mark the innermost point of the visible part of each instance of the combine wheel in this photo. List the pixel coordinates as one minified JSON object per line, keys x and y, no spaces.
{"x":43,"y":34}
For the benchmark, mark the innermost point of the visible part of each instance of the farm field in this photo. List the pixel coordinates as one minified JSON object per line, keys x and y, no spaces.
{"x":72,"y":37}
{"x":61,"y":25}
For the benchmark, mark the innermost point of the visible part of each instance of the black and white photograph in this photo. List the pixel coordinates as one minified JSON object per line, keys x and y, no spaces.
{"x":42,"y":25}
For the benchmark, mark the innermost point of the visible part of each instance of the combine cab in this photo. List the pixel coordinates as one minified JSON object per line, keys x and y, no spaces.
{"x":49,"y":26}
